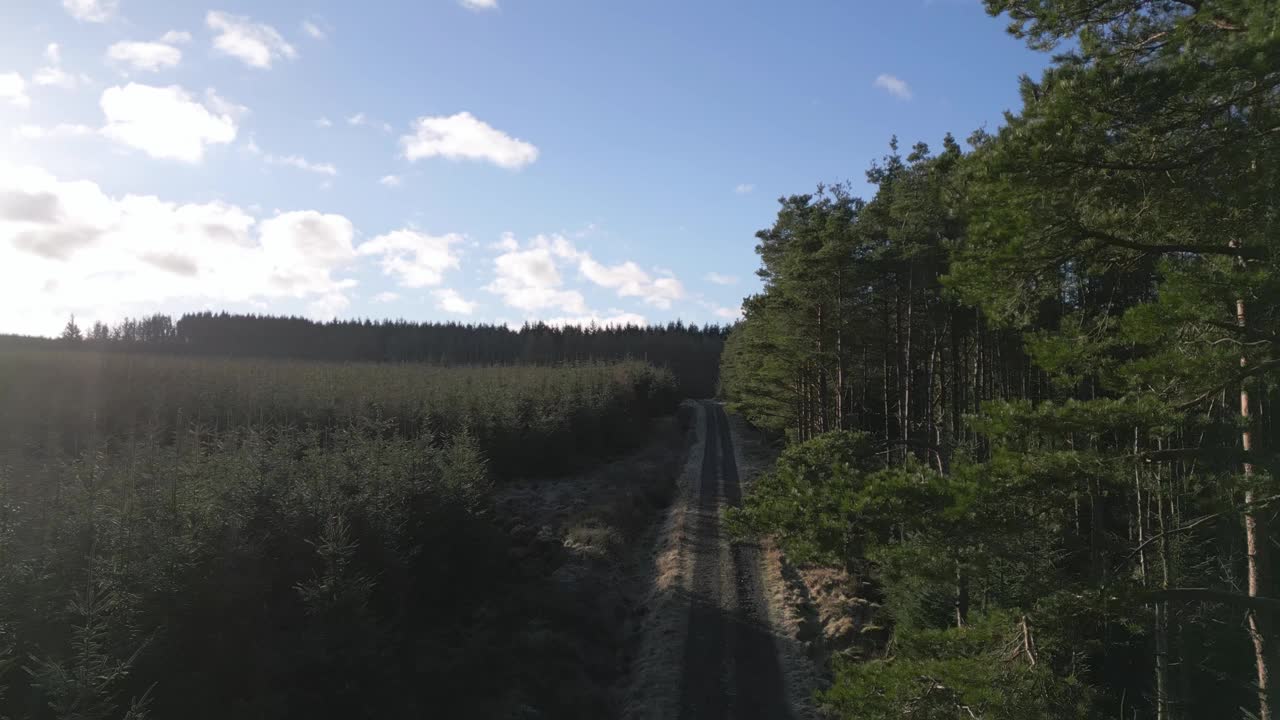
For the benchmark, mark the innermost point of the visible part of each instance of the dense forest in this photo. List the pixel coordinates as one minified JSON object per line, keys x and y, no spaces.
{"x":691,"y":352}
{"x":1027,"y":386}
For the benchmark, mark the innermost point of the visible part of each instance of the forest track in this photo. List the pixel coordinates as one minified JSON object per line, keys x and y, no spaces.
{"x":731,"y":666}
{"x":716,"y":641}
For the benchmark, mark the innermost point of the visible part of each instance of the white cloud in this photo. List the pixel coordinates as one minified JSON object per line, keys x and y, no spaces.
{"x":176,"y":37}
{"x":528,"y":280}
{"x":163,"y":122}
{"x":56,"y":77}
{"x":390,"y":180}
{"x":414,"y":259}
{"x":744,"y":188}
{"x":895,"y":86}
{"x":615,"y":318}
{"x":223,"y":106}
{"x":13,"y":89}
{"x":328,"y":307}
{"x":448,"y":300}
{"x":362,"y":120}
{"x":627,"y":279}
{"x":507,"y":243}
{"x":479,"y":4}
{"x":91,"y":10}
{"x":57,"y":132}
{"x":324,"y":122}
{"x":722,"y":313}
{"x":386,"y":297}
{"x":149,"y":56}
{"x":719,"y":279}
{"x":730,"y":314}
{"x":304,"y":248}
{"x":52,"y":73}
{"x":301,"y":163}
{"x":70,"y":247}
{"x":315,"y":31}
{"x":254,"y":44}
{"x":463,"y":136}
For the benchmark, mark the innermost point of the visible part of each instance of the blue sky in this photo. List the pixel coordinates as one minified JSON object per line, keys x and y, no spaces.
{"x":472,"y":160}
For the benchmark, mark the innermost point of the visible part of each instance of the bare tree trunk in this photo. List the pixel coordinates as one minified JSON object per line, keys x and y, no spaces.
{"x":1097,"y":537}
{"x":823,"y":391}
{"x":884,"y":362}
{"x":1163,"y":704}
{"x":934,"y":400}
{"x":979,"y":366}
{"x":957,"y":382}
{"x":864,"y":405}
{"x":904,"y":415}
{"x":800,"y":406}
{"x":840,"y":406}
{"x":1028,"y":642}
{"x":1139,"y":510}
{"x":1255,"y":544}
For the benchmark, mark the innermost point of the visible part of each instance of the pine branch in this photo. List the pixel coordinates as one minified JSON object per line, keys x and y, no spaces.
{"x":1170,"y":248}
{"x":1247,"y":602}
{"x":1244,"y":507}
{"x":1236,"y":379}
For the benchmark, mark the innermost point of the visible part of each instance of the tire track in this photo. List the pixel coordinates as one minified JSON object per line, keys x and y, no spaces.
{"x":758,"y":673}
{"x":731,"y":667}
{"x":704,"y":687}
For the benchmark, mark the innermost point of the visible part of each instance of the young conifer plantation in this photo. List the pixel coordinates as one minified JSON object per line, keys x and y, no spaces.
{"x":1027,"y":388}
{"x":213,"y":537}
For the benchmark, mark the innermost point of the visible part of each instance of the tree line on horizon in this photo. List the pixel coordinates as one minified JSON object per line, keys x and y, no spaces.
{"x":1027,"y":387}
{"x":690,"y":351}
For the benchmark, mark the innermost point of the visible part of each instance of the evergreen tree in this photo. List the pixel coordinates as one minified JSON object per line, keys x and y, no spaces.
{"x":71,"y":331}
{"x":1065,"y":353}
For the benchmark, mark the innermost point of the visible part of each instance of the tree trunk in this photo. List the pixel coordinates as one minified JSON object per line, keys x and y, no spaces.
{"x":1255,"y":545}
{"x":1164,"y":706}
{"x":840,"y":404}
{"x":884,"y":363}
{"x":904,"y":414}
{"x":957,"y":381}
{"x":1097,"y":536}
{"x":823,"y":390}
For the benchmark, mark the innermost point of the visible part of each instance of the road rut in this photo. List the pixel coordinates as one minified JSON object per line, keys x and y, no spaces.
{"x":731,"y":666}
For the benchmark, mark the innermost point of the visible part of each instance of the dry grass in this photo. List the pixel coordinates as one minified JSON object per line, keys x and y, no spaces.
{"x":654,"y":690}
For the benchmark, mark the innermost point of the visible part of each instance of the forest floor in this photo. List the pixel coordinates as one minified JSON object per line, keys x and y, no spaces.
{"x":719,"y":639}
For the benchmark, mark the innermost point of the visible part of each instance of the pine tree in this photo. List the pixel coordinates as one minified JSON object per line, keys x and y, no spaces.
{"x":71,"y":332}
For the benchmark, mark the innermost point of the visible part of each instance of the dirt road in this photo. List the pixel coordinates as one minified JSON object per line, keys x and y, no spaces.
{"x":731,"y":667}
